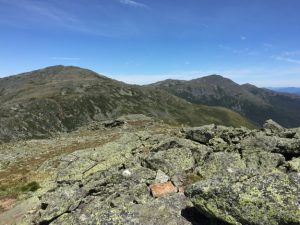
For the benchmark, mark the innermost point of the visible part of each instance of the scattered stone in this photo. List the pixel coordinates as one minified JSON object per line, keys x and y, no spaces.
{"x":234,"y":175}
{"x":201,"y":134}
{"x":162,"y":189}
{"x":161,"y":177}
{"x":126,"y":173}
{"x":273,"y":126}
{"x":294,"y":165}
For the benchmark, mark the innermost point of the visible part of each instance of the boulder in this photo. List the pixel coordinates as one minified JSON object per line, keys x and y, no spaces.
{"x":221,"y":163}
{"x":172,"y":161}
{"x":273,"y":126}
{"x":294,"y":165}
{"x":161,"y":189}
{"x":261,"y":160}
{"x":201,"y":134}
{"x":247,"y":197}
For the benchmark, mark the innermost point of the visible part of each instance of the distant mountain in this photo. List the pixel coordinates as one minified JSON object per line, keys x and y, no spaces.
{"x":257,"y":104}
{"x":42,"y":102}
{"x":291,"y":90}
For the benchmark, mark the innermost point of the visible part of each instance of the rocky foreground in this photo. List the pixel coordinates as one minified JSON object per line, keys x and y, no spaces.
{"x":204,"y":175}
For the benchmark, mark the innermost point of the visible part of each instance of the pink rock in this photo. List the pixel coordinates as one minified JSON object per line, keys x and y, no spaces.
{"x":159,"y":190}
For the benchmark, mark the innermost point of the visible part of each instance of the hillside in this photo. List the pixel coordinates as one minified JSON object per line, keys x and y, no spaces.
{"x":149,"y":173}
{"x":257,"y":104}
{"x":40,"y":103}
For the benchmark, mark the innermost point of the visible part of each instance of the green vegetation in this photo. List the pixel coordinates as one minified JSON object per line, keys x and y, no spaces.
{"x":14,"y":191}
{"x":65,"y":98}
{"x":192,"y":178}
{"x":256,"y":104}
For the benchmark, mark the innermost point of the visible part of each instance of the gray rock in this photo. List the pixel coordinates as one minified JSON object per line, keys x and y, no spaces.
{"x":172,"y":161}
{"x":294,"y":165}
{"x":249,"y":198}
{"x":261,"y":160}
{"x":201,"y":134}
{"x":161,"y":177}
{"x":273,"y":126}
{"x":238,"y":176}
{"x":221,"y":163}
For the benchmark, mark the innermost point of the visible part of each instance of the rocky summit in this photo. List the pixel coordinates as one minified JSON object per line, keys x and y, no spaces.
{"x":147,"y":172}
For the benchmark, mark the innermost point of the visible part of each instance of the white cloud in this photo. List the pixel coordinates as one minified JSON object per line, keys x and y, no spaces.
{"x":286,"y":59}
{"x":133,"y":3}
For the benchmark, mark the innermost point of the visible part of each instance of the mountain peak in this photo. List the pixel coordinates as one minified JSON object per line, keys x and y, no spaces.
{"x":257,"y":104}
{"x":50,"y":74}
{"x":213,"y":78}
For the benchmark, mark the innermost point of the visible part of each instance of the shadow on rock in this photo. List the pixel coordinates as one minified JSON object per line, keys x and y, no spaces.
{"x":192,"y":215}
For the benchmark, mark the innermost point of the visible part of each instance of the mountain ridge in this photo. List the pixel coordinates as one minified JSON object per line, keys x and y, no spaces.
{"x":257,"y":104}
{"x":54,"y":99}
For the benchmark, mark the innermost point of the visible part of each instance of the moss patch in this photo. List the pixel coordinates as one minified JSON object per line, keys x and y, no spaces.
{"x":15,"y":190}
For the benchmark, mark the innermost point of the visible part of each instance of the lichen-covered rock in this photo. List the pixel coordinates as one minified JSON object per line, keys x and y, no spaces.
{"x":230,"y":175}
{"x":250,"y":198}
{"x":262,"y":160}
{"x":158,"y":211}
{"x":285,"y":146}
{"x":201,"y":134}
{"x":172,"y":161}
{"x":221,"y":163}
{"x":272,"y":126}
{"x":294,"y":165}
{"x":161,"y":177}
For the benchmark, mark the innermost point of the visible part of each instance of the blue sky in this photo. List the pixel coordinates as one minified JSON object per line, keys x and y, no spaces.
{"x":143,"y":41}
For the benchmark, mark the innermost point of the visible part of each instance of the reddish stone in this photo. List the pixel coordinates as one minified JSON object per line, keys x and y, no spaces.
{"x":159,"y":190}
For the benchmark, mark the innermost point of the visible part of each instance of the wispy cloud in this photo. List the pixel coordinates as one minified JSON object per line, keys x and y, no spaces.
{"x":42,"y":8}
{"x":245,"y":51}
{"x":133,"y":3}
{"x":66,"y":58}
{"x":267,"y":45}
{"x":291,"y":53}
{"x":286,"y":59}
{"x":243,"y":38}
{"x":59,"y":14}
{"x":289,"y":56}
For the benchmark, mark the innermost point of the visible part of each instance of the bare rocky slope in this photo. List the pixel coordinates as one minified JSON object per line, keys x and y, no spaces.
{"x":257,"y":104}
{"x":112,"y":167}
{"x":40,"y":103}
{"x":152,"y":173}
